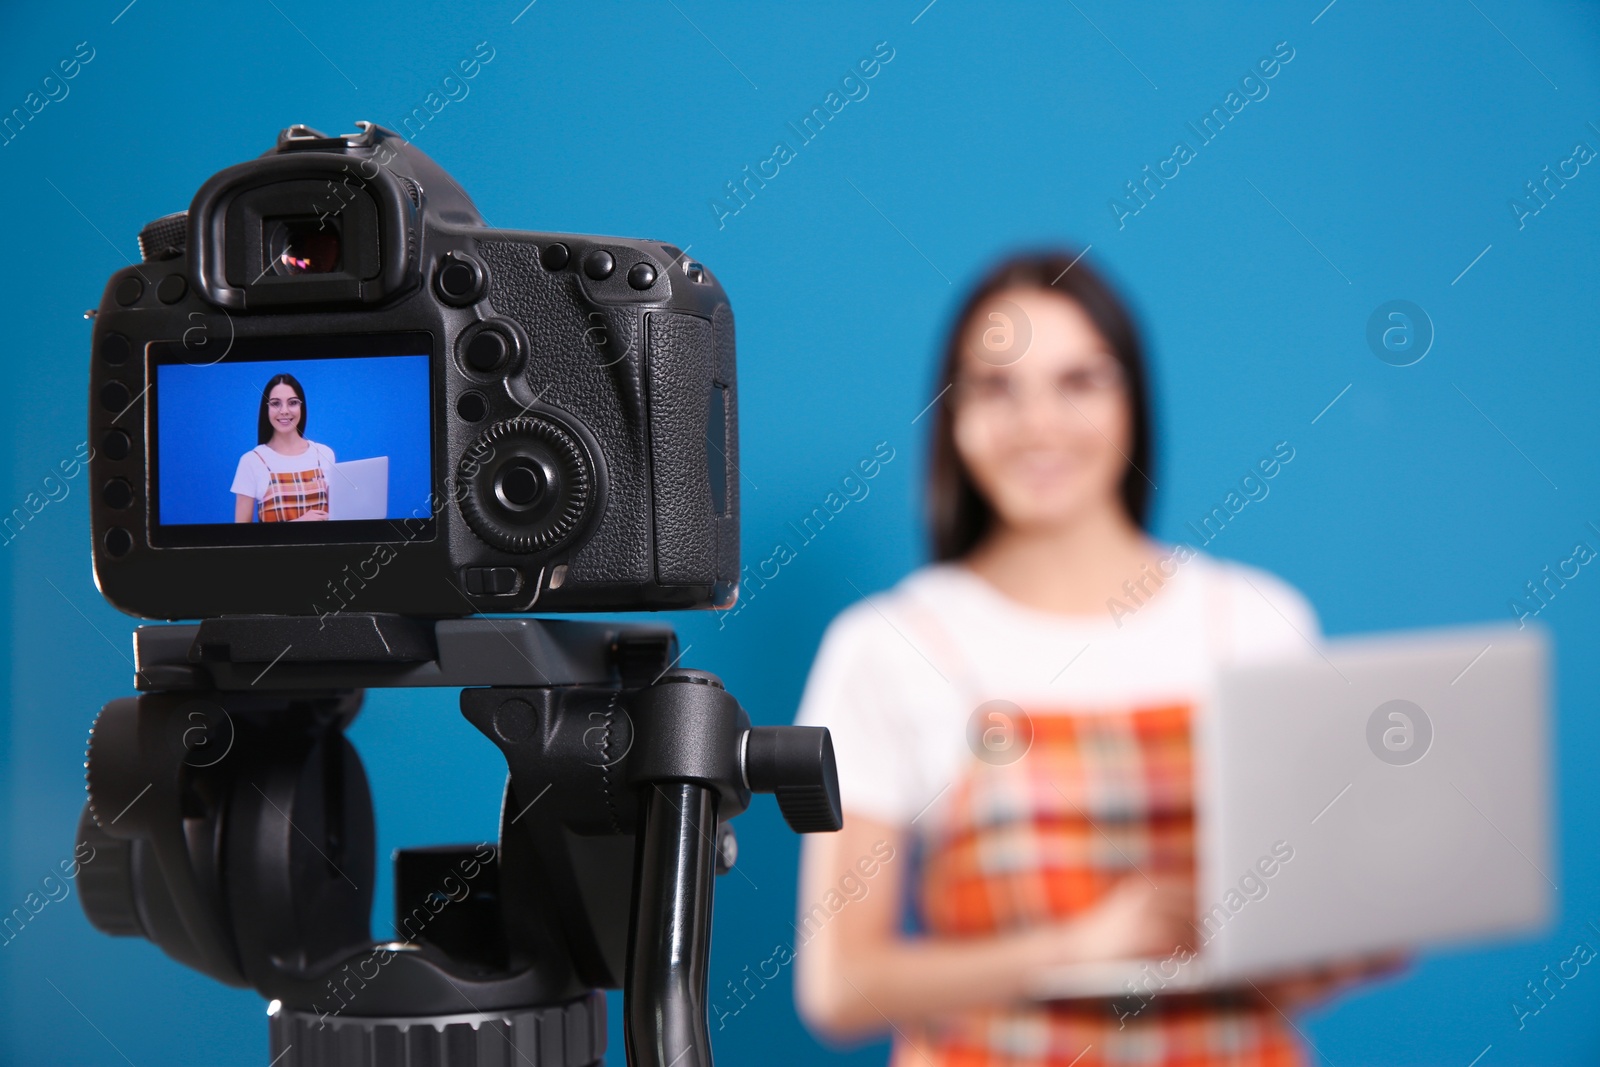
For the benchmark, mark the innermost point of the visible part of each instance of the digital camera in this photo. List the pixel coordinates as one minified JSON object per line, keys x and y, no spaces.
{"x":329,"y":387}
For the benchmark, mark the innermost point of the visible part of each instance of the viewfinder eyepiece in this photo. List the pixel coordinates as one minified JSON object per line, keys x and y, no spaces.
{"x":302,"y":245}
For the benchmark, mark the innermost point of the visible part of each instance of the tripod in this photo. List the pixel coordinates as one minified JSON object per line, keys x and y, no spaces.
{"x":232,"y":825}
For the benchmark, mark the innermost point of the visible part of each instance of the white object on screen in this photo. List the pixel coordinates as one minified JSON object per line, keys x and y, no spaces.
{"x":359,"y":489}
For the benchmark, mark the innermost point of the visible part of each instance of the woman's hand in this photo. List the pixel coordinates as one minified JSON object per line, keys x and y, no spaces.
{"x":1303,"y":990}
{"x":857,"y":972}
{"x":314,"y":515}
{"x":1138,"y":918}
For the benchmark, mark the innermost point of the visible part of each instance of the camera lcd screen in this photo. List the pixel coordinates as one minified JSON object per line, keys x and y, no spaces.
{"x":292,"y":441}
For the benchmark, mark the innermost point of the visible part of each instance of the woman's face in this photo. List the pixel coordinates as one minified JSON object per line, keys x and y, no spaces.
{"x":1041,"y":413}
{"x":283,"y":408}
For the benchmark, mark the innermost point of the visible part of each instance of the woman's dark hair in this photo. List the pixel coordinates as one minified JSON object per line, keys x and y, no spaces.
{"x":958,"y":515}
{"x":264,"y":424}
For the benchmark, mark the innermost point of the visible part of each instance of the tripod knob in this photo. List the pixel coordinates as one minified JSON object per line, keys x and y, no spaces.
{"x":106,"y":880}
{"x":795,"y":764}
{"x":561,"y":1035}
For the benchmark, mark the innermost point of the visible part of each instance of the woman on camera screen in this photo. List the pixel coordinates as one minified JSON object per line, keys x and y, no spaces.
{"x":1011,"y":722}
{"x":284,"y":478}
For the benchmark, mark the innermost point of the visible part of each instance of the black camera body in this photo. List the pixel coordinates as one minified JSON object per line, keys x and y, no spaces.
{"x":331,"y":412}
{"x":556,"y":414}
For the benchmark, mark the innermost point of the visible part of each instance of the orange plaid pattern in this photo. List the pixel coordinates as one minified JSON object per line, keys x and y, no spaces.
{"x":291,"y":495}
{"x":1098,"y":796}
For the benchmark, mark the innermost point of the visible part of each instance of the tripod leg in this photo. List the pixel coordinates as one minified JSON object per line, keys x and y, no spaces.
{"x":668,"y":948}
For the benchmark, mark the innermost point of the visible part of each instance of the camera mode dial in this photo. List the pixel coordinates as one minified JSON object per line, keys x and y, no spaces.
{"x":526,"y":485}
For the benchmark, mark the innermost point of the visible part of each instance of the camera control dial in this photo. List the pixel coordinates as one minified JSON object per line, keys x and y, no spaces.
{"x":526,"y":485}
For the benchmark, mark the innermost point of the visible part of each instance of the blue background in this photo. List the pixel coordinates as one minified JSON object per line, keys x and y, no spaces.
{"x":1381,"y":166}
{"x":361,"y":408}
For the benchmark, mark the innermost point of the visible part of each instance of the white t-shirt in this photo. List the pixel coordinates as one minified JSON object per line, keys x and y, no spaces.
{"x":254,"y":475}
{"x":897,"y":697}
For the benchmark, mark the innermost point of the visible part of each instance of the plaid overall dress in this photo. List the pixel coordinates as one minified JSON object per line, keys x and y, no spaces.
{"x":291,"y":494}
{"x":1102,"y":793}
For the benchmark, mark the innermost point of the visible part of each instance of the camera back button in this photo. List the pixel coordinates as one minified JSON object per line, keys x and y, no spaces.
{"x":642,"y":276}
{"x":116,"y":444}
{"x":492,"y":581}
{"x":115,"y":349}
{"x":460,"y":280}
{"x":487,"y":350}
{"x":171,"y":289}
{"x":114,"y":396}
{"x":555,"y":256}
{"x":117,"y":493}
{"x":118,"y":541}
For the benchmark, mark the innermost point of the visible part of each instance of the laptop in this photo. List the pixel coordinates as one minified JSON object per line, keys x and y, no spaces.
{"x":1389,"y":792}
{"x":359,"y":489}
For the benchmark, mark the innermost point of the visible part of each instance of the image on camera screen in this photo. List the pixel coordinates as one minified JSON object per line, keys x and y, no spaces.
{"x":278,"y":439}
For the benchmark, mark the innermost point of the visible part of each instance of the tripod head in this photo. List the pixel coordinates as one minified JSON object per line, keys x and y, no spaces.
{"x":232,"y":826}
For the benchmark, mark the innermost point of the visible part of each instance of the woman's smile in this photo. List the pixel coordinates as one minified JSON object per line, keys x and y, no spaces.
{"x":1040,"y":467}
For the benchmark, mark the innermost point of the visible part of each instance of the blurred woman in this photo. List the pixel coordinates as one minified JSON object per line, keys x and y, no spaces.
{"x":1019,"y":711}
